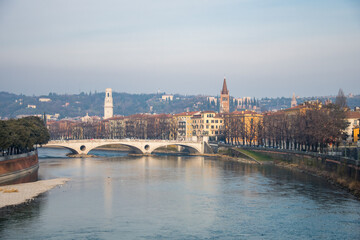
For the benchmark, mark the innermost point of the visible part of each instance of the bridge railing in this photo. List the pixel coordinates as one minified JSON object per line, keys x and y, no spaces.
{"x":121,"y":140}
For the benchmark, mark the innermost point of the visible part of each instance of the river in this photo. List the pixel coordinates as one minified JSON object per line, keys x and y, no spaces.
{"x":116,"y":196}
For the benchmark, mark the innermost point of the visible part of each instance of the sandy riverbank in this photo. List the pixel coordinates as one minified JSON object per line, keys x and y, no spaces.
{"x":20,"y":193}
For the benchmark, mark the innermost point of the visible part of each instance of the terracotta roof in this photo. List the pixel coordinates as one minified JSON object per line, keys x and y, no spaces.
{"x":115,"y":118}
{"x":352,"y":114}
{"x":208,"y":112}
{"x":185,"y":114}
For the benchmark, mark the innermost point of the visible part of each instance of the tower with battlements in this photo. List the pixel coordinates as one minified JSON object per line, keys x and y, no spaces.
{"x":108,"y":105}
{"x":224,"y":99}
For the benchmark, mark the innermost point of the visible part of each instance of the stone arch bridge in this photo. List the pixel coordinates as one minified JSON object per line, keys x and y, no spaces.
{"x":139,"y":146}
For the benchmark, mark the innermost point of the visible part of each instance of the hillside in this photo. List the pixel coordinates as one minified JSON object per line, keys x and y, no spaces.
{"x":74,"y":105}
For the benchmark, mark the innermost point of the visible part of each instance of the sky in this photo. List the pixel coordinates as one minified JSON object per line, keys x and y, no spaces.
{"x":264,"y":48}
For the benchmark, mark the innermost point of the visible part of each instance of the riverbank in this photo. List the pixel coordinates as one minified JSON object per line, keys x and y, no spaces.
{"x":11,"y":195}
{"x":321,"y":167}
{"x":349,"y":185}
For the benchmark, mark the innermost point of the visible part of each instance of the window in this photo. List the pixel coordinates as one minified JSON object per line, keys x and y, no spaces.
{"x":207,"y":121}
{"x":212,"y":121}
{"x":216,"y":121}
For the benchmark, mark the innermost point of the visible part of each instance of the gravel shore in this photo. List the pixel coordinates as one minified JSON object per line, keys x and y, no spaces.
{"x":19,"y":193}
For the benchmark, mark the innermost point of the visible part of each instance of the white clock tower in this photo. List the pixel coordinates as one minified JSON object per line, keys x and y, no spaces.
{"x":108,"y":106}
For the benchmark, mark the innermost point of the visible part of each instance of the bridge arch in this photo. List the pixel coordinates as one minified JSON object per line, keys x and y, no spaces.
{"x":72,"y":150}
{"x":192,"y":148}
{"x":134,"y":148}
{"x":139,"y":146}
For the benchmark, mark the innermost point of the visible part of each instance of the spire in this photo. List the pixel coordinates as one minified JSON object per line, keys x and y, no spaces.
{"x":224,"y":89}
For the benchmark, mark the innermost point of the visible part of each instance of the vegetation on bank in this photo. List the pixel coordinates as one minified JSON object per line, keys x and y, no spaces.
{"x":22,"y":135}
{"x":256,"y":155}
{"x":310,"y":167}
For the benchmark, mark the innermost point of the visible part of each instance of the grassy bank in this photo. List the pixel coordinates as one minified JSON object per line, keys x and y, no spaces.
{"x":292,"y":162}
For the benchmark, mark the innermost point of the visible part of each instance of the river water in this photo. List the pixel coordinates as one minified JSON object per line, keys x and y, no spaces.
{"x":117,"y":196}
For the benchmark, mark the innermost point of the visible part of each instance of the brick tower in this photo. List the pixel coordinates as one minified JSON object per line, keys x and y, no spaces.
{"x":224,"y":99}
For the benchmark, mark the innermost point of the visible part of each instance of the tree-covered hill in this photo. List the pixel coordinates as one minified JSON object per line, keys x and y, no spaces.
{"x":75,"y":105}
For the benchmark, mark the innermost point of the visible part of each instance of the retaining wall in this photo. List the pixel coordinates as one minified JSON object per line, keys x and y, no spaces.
{"x":344,"y":167}
{"x":11,"y":166}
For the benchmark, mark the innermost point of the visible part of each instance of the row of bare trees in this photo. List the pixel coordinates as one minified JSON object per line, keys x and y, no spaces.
{"x":314,"y":129}
{"x":136,"y":126}
{"x":241,"y":129}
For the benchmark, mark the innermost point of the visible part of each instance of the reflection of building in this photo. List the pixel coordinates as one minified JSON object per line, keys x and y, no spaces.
{"x":224,"y":99}
{"x":108,"y":106}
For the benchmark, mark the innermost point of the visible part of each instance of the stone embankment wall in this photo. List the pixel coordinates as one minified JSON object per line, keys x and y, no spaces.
{"x":12,"y":165}
{"x":343,"y":167}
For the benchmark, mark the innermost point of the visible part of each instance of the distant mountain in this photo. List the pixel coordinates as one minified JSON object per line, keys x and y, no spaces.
{"x":74,"y":105}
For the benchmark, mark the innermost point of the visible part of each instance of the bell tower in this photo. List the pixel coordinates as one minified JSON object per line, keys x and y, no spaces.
{"x":224,"y":99}
{"x":293,"y":101}
{"x":108,"y":105}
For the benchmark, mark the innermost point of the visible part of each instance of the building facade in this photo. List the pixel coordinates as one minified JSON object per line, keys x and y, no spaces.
{"x":184,"y":123}
{"x":207,"y":124}
{"x":224,"y":99}
{"x":108,"y":105}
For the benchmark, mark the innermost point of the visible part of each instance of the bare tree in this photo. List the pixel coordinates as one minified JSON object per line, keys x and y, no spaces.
{"x":341,"y":99}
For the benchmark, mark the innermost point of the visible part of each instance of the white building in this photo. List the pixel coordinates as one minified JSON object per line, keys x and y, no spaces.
{"x":44,"y":100}
{"x":167,"y":97}
{"x":108,"y":105}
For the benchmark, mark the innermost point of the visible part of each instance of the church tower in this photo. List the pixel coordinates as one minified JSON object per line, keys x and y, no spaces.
{"x":293,"y":101}
{"x":224,"y":99}
{"x":108,"y":106}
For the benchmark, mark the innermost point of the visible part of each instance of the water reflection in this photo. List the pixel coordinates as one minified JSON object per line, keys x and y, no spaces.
{"x":182,"y":197}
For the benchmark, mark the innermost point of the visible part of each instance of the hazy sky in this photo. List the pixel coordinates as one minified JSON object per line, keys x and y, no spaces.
{"x":263,"y":47}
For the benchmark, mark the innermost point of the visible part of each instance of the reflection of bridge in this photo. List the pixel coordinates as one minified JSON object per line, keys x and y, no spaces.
{"x":139,"y":146}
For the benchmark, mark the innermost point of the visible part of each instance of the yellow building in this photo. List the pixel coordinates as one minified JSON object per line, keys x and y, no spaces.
{"x":241,"y":127}
{"x":356,"y":134}
{"x":184,"y":125}
{"x":207,"y":124}
{"x":302,"y":108}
